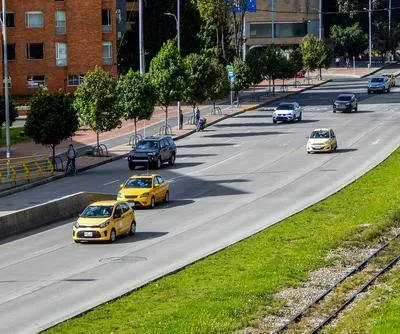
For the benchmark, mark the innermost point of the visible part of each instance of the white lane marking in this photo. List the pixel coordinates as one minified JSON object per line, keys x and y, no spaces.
{"x":111,"y":182}
{"x":376,"y":142}
{"x":205,"y":168}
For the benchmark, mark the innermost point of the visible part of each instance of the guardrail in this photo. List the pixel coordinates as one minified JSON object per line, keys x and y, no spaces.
{"x":25,"y":169}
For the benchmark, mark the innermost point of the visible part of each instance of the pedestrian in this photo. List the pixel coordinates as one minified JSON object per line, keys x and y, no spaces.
{"x":348,"y":63}
{"x":337,"y":61}
{"x":197,"y":116}
{"x":71,"y":156}
{"x":180,"y":119}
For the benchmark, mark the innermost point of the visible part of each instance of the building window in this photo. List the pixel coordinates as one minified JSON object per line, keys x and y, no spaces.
{"x":35,"y":51}
{"x":107,"y":53}
{"x":35,"y":81}
{"x":34,"y":19}
{"x":11,"y":51}
{"x":61,"y":54}
{"x":10,"y":20}
{"x":75,"y":80}
{"x":61,"y":22}
{"x":106,"y":20}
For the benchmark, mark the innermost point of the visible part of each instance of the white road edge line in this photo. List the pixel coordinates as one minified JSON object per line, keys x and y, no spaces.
{"x":376,"y":142}
{"x":111,"y":182}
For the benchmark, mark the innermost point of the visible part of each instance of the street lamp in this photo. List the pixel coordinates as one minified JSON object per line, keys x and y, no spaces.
{"x":177,"y":18}
{"x":142,"y":67}
{"x":6,"y":97}
{"x":369,"y":32}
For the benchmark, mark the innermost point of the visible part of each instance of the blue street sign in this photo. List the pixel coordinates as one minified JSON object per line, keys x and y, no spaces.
{"x":251,"y":6}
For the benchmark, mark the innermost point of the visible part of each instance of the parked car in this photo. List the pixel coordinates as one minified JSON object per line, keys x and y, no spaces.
{"x":379,"y":84}
{"x":153,"y":151}
{"x":345,"y":102}
{"x":287,"y":112}
{"x":144,"y":190}
{"x":104,"y":221}
{"x":322,"y":140}
{"x":392,"y":79}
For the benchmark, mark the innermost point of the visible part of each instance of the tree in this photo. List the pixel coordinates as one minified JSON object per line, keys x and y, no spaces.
{"x":136,"y":97}
{"x":198,"y":78}
{"x":255,"y":60}
{"x":167,"y":74}
{"x":242,"y":73}
{"x":219,"y":86}
{"x":96,"y":100}
{"x":12,"y":112}
{"x":351,"y":40}
{"x":315,"y":54}
{"x":52,"y":119}
{"x":273,"y":62}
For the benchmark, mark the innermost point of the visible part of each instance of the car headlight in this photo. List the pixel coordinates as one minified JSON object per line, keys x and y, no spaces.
{"x":120,"y":195}
{"x":145,"y":195}
{"x":103,"y":225}
{"x":77,"y":225}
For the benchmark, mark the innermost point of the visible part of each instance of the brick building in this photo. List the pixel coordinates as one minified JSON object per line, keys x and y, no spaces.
{"x":293,"y":20}
{"x":54,"y":43}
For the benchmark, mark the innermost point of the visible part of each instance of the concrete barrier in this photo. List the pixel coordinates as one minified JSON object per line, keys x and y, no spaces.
{"x":47,"y":213}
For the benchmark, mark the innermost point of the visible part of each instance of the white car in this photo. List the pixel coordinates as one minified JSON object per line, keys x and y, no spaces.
{"x":287,"y":112}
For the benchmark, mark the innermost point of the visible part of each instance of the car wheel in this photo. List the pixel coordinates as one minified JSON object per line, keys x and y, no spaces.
{"x":131,"y":166}
{"x":152,"y":203}
{"x":158,"y":163}
{"x":369,"y":92}
{"x":166,"y":197}
{"x":132,"y":230}
{"x":172,"y":160}
{"x":113,"y":235}
{"x":356,"y":108}
{"x":274,"y":121}
{"x":300,"y":117}
{"x":77,"y":241}
{"x":334,"y":110}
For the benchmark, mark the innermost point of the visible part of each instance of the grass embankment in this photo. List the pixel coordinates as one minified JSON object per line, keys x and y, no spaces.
{"x":378,"y":312}
{"x":227,"y":291}
{"x":14,"y":136}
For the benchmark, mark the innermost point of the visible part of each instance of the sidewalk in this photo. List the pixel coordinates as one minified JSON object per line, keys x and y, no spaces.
{"x":117,"y":140}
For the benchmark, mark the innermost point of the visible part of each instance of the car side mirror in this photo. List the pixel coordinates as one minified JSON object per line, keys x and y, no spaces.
{"x":156,"y":185}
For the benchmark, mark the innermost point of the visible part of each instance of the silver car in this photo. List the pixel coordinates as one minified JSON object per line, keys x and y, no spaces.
{"x":287,"y":112}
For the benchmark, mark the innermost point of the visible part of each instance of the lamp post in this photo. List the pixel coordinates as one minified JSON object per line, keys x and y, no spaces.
{"x":369,"y":32}
{"x":273,"y":21}
{"x":177,"y":18}
{"x":321,"y":35}
{"x":6,"y":97}
{"x":142,"y":67}
{"x":390,"y":15}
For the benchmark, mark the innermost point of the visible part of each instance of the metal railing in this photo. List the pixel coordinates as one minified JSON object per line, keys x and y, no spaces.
{"x":25,"y":169}
{"x":133,"y":139}
{"x":165,"y":130}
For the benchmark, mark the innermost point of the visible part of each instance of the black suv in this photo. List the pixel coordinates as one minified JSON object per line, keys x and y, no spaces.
{"x":153,"y":151}
{"x":345,"y":102}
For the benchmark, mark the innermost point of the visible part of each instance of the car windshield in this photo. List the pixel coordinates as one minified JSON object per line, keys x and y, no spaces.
{"x":147,"y":144}
{"x":320,"y":134}
{"x":285,"y":106}
{"x":97,"y":211}
{"x":343,"y":98}
{"x":377,"y":80}
{"x":144,"y":182}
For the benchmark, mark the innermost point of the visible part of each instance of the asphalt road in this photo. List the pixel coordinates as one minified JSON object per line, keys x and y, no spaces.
{"x":230,"y":181}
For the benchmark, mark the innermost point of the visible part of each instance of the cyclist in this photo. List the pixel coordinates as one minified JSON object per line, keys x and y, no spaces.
{"x":71,"y":156}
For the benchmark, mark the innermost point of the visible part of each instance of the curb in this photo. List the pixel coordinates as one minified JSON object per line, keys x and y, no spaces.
{"x":119,"y":157}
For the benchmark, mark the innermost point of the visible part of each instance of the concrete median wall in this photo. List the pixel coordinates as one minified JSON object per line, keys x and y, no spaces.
{"x":47,"y":213}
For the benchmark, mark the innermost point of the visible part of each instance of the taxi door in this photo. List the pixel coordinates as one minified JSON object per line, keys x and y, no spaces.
{"x":127,"y":217}
{"x":118,"y":220}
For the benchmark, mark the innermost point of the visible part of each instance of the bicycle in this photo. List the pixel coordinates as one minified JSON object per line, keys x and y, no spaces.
{"x":70,"y":169}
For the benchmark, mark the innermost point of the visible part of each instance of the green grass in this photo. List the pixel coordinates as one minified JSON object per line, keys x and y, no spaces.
{"x":14,"y":136}
{"x":378,"y":313}
{"x":228,"y":290}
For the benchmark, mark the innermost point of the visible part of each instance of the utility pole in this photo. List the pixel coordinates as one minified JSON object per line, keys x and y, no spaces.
{"x":321,"y":35}
{"x":6,"y":93}
{"x":178,"y":30}
{"x":370,"y":32}
{"x":390,"y":16}
{"x":142,"y":67}
{"x":273,"y":21}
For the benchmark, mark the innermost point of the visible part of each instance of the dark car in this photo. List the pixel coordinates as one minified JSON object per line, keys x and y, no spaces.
{"x":345,"y":102}
{"x":153,"y":151}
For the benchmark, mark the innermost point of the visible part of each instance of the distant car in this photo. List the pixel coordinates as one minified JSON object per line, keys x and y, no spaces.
{"x":379,"y":84}
{"x":153,"y":151}
{"x":392,"y":79}
{"x":144,"y":190}
{"x":345,"y":102}
{"x":322,"y":140}
{"x":287,"y":112}
{"x":104,"y":221}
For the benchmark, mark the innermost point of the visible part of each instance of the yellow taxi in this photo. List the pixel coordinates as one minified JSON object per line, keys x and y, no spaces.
{"x":322,"y":140}
{"x":144,"y":190}
{"x":104,"y":221}
{"x":392,"y":79}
